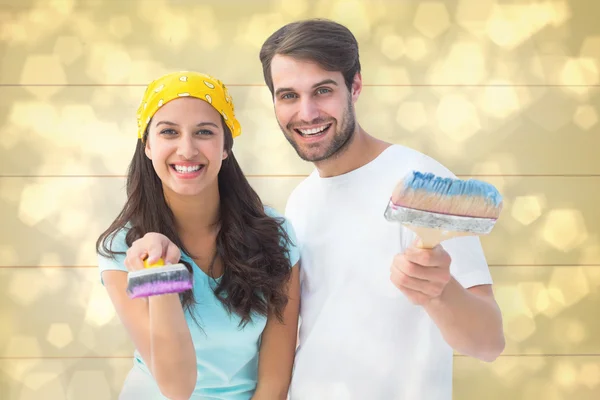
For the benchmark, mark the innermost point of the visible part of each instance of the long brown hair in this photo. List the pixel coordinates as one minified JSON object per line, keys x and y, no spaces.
{"x":251,"y":244}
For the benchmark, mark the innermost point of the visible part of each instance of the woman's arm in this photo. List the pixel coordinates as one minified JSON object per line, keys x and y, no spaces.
{"x":278,"y":346}
{"x":156,"y":325}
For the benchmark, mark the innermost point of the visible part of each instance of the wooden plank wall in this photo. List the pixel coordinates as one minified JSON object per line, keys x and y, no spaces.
{"x":506,"y":91}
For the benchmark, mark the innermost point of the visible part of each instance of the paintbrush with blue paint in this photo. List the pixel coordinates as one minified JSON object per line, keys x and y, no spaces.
{"x":437,"y":208}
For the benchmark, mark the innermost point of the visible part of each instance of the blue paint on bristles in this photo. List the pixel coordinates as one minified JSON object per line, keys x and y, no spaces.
{"x":428,"y":192}
{"x":453,"y":187}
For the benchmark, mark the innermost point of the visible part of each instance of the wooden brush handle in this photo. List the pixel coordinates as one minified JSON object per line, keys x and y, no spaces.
{"x":431,"y":237}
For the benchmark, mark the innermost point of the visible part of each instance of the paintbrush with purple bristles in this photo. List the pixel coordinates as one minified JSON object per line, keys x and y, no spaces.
{"x":157,"y":278}
{"x":437,"y":208}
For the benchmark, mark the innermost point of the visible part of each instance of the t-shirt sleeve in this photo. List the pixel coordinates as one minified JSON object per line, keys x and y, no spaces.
{"x":293,"y":250}
{"x":115,"y":242}
{"x":469,"y":266}
{"x":292,"y":247}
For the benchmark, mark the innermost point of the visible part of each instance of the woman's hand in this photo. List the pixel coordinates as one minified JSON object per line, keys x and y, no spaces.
{"x":156,"y":324}
{"x":152,"y":246}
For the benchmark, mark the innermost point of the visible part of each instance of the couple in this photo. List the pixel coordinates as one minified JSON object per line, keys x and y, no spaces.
{"x":380,"y":318}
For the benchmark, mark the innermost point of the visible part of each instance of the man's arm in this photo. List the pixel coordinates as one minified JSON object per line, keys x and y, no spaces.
{"x":469,"y":319}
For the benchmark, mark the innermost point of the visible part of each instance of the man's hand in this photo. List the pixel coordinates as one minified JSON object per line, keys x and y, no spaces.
{"x":421,"y":274}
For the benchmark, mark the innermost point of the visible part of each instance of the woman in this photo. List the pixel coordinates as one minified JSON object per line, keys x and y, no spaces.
{"x":233,"y":335}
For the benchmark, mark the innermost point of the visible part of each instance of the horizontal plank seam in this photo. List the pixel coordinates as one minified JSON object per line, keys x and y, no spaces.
{"x":63,"y":357}
{"x":539,"y":355}
{"x":305,"y":175}
{"x":131,"y":357}
{"x":490,"y":265}
{"x":453,"y":85}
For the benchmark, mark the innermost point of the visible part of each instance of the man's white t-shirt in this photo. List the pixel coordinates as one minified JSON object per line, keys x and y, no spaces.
{"x":360,"y":337}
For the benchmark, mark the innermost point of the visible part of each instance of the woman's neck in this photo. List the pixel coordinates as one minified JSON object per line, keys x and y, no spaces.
{"x":195,"y":215}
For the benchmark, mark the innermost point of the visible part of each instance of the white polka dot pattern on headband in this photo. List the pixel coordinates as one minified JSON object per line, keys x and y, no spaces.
{"x":187,"y":84}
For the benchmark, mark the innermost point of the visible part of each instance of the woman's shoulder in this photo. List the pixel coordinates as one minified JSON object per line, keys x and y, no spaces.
{"x":292,"y":245}
{"x":111,"y":254}
{"x":116,"y":241}
{"x":272,"y":212}
{"x":285,"y":222}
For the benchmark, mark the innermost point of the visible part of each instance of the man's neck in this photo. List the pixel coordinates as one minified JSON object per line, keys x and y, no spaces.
{"x":362,"y":149}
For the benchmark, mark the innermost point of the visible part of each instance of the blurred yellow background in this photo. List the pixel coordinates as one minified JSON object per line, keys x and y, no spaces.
{"x":507,"y":91}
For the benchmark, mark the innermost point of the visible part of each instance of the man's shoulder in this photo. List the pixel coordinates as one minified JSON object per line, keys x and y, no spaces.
{"x":304,"y":189}
{"x":405,"y":158}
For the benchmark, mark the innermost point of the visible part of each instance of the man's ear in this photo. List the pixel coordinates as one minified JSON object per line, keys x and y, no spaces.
{"x":356,"y":87}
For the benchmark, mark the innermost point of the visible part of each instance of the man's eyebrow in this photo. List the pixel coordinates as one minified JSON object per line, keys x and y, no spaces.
{"x":283,"y":89}
{"x":323,"y":82}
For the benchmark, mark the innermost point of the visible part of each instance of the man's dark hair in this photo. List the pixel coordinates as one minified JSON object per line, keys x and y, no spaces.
{"x":327,"y":43}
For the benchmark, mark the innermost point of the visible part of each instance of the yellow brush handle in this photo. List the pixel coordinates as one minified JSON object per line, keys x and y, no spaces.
{"x":159,"y":263}
{"x":432,"y":237}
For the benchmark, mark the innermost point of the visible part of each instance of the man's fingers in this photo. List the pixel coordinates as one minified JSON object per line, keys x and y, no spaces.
{"x":415,"y":296}
{"x":402,"y":263}
{"x":401,"y":280}
{"x":418,"y":271}
{"x":436,"y":257}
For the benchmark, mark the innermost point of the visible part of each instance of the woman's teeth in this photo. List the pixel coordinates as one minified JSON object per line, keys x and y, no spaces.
{"x":184,"y":170}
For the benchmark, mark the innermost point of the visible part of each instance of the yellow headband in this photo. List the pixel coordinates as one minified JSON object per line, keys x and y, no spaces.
{"x":181,"y":84}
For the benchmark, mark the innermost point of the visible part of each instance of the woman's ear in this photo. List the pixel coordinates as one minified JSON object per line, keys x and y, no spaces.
{"x":225,"y":154}
{"x":147,"y":149}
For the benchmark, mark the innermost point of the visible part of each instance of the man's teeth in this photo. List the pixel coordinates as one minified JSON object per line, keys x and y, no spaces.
{"x":313,"y":131}
{"x":183,"y":170}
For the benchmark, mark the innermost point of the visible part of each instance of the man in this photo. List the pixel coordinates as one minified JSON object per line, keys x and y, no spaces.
{"x":380,"y":317}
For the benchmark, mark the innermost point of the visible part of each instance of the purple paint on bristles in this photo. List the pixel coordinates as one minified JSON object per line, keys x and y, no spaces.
{"x":160,"y":287}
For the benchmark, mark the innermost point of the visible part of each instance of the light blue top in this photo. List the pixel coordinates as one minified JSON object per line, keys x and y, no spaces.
{"x":227,"y":355}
